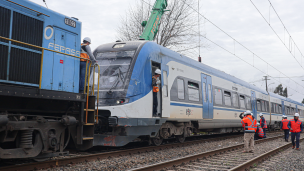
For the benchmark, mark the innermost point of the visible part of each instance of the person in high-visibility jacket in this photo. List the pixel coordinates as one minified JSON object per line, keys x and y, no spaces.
{"x":249,"y":124}
{"x":285,"y":128}
{"x":263,"y":124}
{"x":296,"y":127}
{"x":155,"y":88}
{"x":88,"y":55}
{"x":259,"y":134}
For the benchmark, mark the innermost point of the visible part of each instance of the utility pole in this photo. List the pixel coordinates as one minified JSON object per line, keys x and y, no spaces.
{"x":266,"y":82}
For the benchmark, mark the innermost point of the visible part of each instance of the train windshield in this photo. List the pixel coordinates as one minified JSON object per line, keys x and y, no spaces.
{"x":114,"y":67}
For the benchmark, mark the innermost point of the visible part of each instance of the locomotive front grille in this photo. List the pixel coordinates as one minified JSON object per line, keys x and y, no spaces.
{"x":18,"y":62}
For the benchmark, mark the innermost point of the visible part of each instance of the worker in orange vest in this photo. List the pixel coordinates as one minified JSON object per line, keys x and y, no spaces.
{"x":296,"y":127}
{"x":259,"y":134}
{"x":249,"y":124}
{"x":88,"y":55}
{"x":284,"y":127}
{"x":155,"y":85}
{"x":263,"y":124}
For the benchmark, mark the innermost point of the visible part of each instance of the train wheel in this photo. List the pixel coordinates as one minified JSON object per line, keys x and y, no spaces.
{"x":156,"y":141}
{"x":180,"y":138}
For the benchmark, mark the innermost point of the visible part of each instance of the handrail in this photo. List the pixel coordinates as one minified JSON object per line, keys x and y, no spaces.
{"x":93,"y":90}
{"x":39,"y":47}
{"x":39,"y":13}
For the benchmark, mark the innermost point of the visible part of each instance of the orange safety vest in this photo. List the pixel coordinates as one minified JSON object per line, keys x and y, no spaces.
{"x":296,"y":126}
{"x":265,"y":124}
{"x":285,"y":123}
{"x":261,"y":132}
{"x":83,"y":54}
{"x":249,"y":124}
{"x":155,"y":88}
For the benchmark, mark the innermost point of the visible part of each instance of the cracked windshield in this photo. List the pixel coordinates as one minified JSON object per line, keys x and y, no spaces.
{"x":114,"y":67}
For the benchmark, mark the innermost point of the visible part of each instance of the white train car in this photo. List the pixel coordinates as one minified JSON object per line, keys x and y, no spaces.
{"x":193,"y":97}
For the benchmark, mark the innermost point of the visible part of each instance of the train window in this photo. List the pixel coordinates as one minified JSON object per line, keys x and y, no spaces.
{"x":272,"y":107}
{"x":227,"y":98}
{"x":218,"y":98}
{"x":292,"y":111}
{"x":280,"y":108}
{"x":266,"y":106}
{"x":235,"y":100}
{"x":242,"y":102}
{"x":204,"y":93}
{"x":180,"y":89}
{"x":193,"y":91}
{"x":165,"y":88}
{"x":287,"y":110}
{"x":263,"y":105}
{"x":210,"y":93}
{"x":276,"y":108}
{"x":259,"y":105}
{"x":248,"y":102}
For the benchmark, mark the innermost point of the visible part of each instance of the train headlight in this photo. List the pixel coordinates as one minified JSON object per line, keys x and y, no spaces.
{"x":122,"y":101}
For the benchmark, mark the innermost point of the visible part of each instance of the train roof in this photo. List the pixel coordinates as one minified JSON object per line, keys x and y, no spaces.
{"x":34,"y":6}
{"x":190,"y":62}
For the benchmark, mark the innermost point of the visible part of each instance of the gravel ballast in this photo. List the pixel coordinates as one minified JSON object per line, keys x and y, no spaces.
{"x":143,"y":159}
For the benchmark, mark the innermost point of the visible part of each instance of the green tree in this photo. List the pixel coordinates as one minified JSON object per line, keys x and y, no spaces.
{"x":279,"y":90}
{"x":285,"y":93}
{"x":303,"y":101}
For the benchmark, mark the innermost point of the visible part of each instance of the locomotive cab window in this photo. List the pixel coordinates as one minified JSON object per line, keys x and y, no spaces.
{"x":227,"y":98}
{"x":193,"y":91}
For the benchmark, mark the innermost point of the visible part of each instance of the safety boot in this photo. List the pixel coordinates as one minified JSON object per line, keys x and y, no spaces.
{"x":293,"y":146}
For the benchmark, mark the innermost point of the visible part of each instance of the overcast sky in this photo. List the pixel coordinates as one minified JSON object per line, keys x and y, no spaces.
{"x":239,"y":18}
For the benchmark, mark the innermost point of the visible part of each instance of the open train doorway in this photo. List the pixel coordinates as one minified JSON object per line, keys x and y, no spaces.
{"x":156,"y":97}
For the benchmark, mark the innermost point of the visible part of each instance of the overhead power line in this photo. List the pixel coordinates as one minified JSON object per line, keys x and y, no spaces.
{"x":291,"y":41}
{"x":243,"y":47}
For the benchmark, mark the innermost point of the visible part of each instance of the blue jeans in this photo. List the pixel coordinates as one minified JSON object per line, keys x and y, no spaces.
{"x":297,"y":136}
{"x":82,"y":74}
{"x":155,"y":103}
{"x":286,"y":133}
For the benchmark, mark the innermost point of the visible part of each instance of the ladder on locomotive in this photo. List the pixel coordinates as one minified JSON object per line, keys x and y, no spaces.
{"x":90,"y":111}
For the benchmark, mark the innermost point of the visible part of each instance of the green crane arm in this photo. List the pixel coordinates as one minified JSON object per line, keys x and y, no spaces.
{"x":151,"y":27}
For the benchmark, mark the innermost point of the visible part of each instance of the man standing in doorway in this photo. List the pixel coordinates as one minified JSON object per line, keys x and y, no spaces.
{"x":155,"y":85}
{"x":263,"y":124}
{"x":87,"y":54}
{"x":285,"y":128}
{"x":296,"y":127}
{"x":249,"y":124}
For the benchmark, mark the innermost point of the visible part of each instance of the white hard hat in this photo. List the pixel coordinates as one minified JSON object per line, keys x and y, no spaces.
{"x":87,"y":39}
{"x":261,"y":114}
{"x":258,"y":124}
{"x":158,"y":71}
{"x":247,"y":112}
{"x":296,"y":114}
{"x":284,"y":116}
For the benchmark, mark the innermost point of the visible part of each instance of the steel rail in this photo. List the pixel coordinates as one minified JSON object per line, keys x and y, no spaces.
{"x":261,"y":157}
{"x":189,"y":158}
{"x":99,"y":156}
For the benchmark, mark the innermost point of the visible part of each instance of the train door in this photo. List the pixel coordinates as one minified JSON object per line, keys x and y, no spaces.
{"x":64,"y":66}
{"x":165,"y":93}
{"x":155,"y":66}
{"x":253,"y":104}
{"x":207,"y":96}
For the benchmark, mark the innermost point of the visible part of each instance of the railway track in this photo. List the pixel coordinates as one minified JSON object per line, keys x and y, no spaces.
{"x":99,"y":156}
{"x":229,"y":158}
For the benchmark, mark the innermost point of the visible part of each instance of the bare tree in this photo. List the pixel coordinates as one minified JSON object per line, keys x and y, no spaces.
{"x":178,"y":27}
